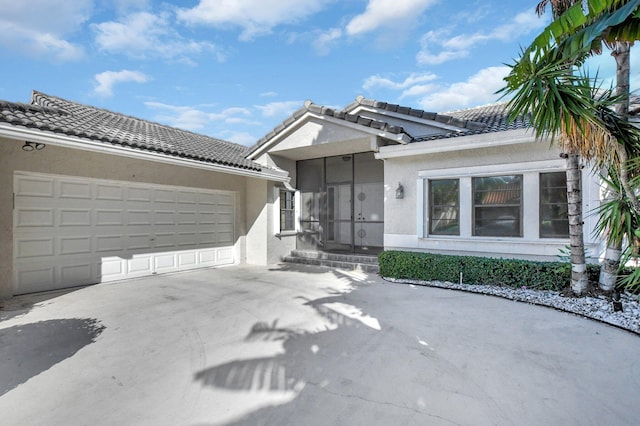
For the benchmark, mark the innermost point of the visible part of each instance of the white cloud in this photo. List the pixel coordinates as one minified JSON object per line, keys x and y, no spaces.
{"x":412,"y":80}
{"x":325,"y":40}
{"x":40,"y":27}
{"x":144,"y":34}
{"x":279,"y":109}
{"x":479,"y":89}
{"x":448,"y":48}
{"x":385,"y":13}
{"x":193,"y":118}
{"x":106,"y":80}
{"x":242,"y":138}
{"x":255,"y":17}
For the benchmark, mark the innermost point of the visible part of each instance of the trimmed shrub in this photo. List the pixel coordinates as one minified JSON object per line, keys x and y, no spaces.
{"x":477,"y":270}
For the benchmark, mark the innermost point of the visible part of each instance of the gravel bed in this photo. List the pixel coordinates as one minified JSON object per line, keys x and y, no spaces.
{"x":598,"y":308}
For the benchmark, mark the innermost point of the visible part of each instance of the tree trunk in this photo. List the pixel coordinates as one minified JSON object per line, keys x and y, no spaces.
{"x":611,"y":262}
{"x":579,"y":277}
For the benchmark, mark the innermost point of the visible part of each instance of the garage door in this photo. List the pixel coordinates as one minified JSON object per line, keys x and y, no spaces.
{"x":70,"y":231}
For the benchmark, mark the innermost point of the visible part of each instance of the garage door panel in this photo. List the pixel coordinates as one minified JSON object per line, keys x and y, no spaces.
{"x":34,"y":217}
{"x":74,"y":217}
{"x":74,"y":190}
{"x":32,"y":279}
{"x":140,"y":265}
{"x":139,"y":217}
{"x":109,"y":243}
{"x":34,"y":248}
{"x":187,"y":217}
{"x":34,"y":187}
{"x":187,"y":239}
{"x":109,"y":192}
{"x":140,"y":194}
{"x":165,"y":262}
{"x":75,"y":245}
{"x":205,"y":238}
{"x":71,"y":231}
{"x":164,"y":217}
{"x":139,"y":242}
{"x":77,"y":274}
{"x":112,"y":217}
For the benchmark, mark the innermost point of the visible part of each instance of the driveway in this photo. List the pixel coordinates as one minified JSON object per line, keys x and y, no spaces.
{"x":298,"y":345}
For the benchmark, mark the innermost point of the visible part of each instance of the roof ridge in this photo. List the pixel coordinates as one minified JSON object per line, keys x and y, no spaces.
{"x":443,"y":118}
{"x":490,"y":104}
{"x":37,"y":95}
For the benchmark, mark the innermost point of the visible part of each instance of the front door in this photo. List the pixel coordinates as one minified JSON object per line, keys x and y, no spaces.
{"x":343,"y":203}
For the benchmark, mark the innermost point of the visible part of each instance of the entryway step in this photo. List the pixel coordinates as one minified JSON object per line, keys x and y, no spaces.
{"x":363,"y":262}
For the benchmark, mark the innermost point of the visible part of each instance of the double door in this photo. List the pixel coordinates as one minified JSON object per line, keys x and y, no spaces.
{"x":343,"y":203}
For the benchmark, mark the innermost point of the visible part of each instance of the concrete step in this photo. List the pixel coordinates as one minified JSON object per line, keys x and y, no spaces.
{"x":366,"y":263}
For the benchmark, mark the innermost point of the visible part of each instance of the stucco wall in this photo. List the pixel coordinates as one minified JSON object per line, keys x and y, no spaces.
{"x":402,"y":215}
{"x":73,"y":162}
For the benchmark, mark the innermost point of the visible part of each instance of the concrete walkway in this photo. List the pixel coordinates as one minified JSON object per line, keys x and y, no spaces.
{"x":297,"y":345}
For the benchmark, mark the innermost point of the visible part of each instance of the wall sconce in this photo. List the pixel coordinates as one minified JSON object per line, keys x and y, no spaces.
{"x":399,"y":191}
{"x":30,"y":146}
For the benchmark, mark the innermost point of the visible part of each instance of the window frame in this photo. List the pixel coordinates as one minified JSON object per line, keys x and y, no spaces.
{"x":278,"y":210}
{"x":519,"y":206}
{"x":530,"y":170}
{"x":432,"y":206}
{"x":541,"y":206}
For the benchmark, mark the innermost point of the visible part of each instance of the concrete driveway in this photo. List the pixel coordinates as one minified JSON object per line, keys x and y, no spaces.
{"x":296,"y":345}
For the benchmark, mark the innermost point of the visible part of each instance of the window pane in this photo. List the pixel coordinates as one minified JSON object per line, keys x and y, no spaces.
{"x":497,"y":202}
{"x":287,"y":210}
{"x":554,"y":218}
{"x":444,"y":196}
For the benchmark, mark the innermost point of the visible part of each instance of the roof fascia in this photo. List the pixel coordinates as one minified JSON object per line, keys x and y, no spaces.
{"x":34,"y":135}
{"x":407,"y":117}
{"x":461,"y":143}
{"x":401,"y":138}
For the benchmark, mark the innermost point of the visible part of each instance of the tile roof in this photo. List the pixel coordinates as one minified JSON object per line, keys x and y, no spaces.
{"x":482,"y":119}
{"x":488,"y":119}
{"x":445,"y":118}
{"x":330,"y":112}
{"x":56,"y":115}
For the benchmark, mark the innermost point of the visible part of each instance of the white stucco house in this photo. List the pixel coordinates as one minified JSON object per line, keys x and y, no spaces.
{"x":89,"y":195}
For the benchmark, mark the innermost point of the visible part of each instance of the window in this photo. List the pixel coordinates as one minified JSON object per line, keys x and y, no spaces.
{"x":497,"y":206}
{"x":554,"y":218}
{"x":444,"y":207}
{"x":287,"y":210}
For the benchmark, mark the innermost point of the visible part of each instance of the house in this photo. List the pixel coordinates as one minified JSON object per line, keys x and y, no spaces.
{"x":380,"y":176}
{"x":88,"y":195}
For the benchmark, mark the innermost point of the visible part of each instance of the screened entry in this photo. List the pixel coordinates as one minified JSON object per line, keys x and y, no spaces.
{"x":342,"y":203}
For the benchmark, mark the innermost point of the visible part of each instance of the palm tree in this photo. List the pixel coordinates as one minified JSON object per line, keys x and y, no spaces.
{"x":563,"y":106}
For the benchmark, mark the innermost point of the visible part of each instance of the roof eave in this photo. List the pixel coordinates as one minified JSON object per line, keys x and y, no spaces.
{"x":460,"y":143}
{"x":35,"y":135}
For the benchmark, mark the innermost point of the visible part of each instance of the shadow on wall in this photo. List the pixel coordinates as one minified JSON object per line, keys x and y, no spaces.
{"x":29,"y":349}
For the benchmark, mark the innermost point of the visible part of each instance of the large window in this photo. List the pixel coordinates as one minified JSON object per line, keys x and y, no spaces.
{"x":554,"y":219}
{"x":497,"y":206}
{"x":444,"y":207}
{"x":287,"y":210}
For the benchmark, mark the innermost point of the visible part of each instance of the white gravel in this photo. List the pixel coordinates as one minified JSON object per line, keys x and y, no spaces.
{"x":597,"y":308}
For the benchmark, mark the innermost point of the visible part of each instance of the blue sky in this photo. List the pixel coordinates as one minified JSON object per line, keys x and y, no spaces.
{"x":234,"y":69}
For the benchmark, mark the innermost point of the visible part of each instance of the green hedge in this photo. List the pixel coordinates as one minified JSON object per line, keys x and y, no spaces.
{"x":478,"y":270}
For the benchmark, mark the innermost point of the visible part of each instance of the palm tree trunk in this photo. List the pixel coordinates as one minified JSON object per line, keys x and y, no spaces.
{"x":579,"y":277}
{"x":611,"y":261}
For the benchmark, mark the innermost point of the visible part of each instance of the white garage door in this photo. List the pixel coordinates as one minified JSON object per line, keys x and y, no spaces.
{"x":70,"y":231}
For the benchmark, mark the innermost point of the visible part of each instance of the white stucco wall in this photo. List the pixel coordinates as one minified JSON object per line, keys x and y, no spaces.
{"x":404,"y":218}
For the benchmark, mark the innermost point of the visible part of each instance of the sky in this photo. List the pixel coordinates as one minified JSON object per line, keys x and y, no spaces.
{"x":235,"y":69}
